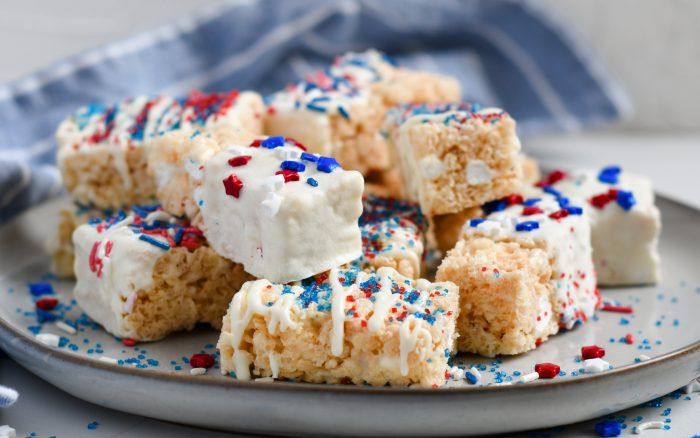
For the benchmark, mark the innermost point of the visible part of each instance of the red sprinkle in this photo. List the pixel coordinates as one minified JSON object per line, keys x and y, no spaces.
{"x":618,"y":309}
{"x":128,"y":342}
{"x":256,"y":143}
{"x":515,"y":198}
{"x":201,"y":361}
{"x":239,"y":161}
{"x":289,"y":175}
{"x":529,"y":211}
{"x":554,"y":177}
{"x":547,"y":370}
{"x":233,"y":185}
{"x":629,"y":339}
{"x":559,"y":214}
{"x":296,"y":143}
{"x":591,"y":352}
{"x":47,"y":303}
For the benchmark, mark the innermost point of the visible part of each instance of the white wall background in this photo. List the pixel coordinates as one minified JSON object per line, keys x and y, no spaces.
{"x":651,"y":46}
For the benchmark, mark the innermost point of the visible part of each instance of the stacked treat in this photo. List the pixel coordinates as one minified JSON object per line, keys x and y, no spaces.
{"x":299,"y":226}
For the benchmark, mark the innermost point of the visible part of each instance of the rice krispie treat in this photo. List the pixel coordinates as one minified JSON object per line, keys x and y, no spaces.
{"x":102,"y":150}
{"x":174,"y":161}
{"x":283,"y":213}
{"x":145,"y":275}
{"x":523,"y":272}
{"x":346,"y":325}
{"x":625,"y":223}
{"x":393,"y":235}
{"x":454,"y":157}
{"x":339,"y":111}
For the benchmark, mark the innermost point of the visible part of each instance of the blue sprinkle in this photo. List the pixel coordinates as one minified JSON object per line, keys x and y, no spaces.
{"x":293,"y":165}
{"x":610,"y":175}
{"x":343,"y":112}
{"x":608,"y":428}
{"x":471,"y":378}
{"x":93,"y":426}
{"x":575,"y":211}
{"x":317,"y":108}
{"x":527,"y":226}
{"x":195,"y":134}
{"x":552,"y":191}
{"x":309,"y":157}
{"x":39,"y":289}
{"x":493,"y":206}
{"x":532,"y":201}
{"x":475,"y":222}
{"x":312,"y":182}
{"x":154,"y":242}
{"x":563,"y":202}
{"x":327,"y":164}
{"x":272,"y":142}
{"x":625,"y":199}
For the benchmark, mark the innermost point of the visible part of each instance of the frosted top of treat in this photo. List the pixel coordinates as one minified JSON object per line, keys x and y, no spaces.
{"x":376,"y":300}
{"x":136,"y":120}
{"x":115,"y":258}
{"x":444,"y":113}
{"x":609,"y":188}
{"x":391,"y":229}
{"x":284,"y":213}
{"x":336,"y":89}
{"x":558,"y":221}
{"x":152,"y":225}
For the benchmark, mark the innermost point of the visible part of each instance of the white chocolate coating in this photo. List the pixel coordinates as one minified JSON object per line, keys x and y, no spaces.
{"x":625,"y":242}
{"x":280,"y":231}
{"x":107,"y":293}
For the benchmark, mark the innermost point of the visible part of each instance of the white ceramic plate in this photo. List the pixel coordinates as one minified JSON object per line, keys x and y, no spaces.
{"x":154,"y":378}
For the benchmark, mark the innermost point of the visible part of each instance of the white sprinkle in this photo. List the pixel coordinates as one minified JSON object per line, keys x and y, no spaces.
{"x":432,"y":167}
{"x":48,"y":339}
{"x":7,"y":432}
{"x":198,"y":371}
{"x":457,"y":373}
{"x":643,"y":357}
{"x":108,"y":359}
{"x":595,"y":365}
{"x":477,"y":375}
{"x":648,"y":425}
{"x":274,"y":182}
{"x":530,"y":377}
{"x":271,"y":204}
{"x":691,"y":387}
{"x":478,"y":173}
{"x":264,"y":379}
{"x":503,"y":384}
{"x":489,"y":226}
{"x":66,"y":327}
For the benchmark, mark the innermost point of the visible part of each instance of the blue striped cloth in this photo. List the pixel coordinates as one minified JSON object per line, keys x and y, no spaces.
{"x":506,"y":54}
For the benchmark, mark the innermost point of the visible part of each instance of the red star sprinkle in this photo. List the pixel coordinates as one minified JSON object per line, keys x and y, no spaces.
{"x":233,"y":185}
{"x":592,"y":352}
{"x":547,"y":370}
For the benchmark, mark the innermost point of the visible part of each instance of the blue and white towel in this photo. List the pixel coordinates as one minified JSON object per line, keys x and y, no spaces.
{"x":506,"y":54}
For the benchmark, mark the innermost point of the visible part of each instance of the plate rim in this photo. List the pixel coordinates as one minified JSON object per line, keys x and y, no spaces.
{"x":11,"y":336}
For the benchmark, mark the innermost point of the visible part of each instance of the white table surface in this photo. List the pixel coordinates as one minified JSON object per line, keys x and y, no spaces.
{"x":671,"y":161}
